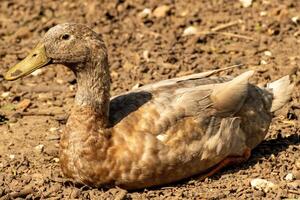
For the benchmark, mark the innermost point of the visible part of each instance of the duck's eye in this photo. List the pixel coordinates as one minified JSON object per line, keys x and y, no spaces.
{"x":65,"y":36}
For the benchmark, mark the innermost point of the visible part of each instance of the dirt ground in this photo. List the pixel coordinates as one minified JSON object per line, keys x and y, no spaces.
{"x":146,"y":43}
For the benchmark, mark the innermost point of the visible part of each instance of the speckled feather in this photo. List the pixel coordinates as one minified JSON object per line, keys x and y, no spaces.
{"x":161,"y":132}
{"x":157,"y":134}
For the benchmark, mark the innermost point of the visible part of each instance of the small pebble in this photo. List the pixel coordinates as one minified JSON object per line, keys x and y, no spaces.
{"x":72,"y":87}
{"x":12,"y":156}
{"x":146,"y":55}
{"x":13,"y":119}
{"x":263,"y":62}
{"x":295,"y":19}
{"x":53,"y":137}
{"x":136,"y":86}
{"x":22,"y":105}
{"x":272,"y":157}
{"x":262,"y":184}
{"x":263,"y":13}
{"x":289,"y":177}
{"x":60,"y":81}
{"x":161,"y":11}
{"x":145,"y":13}
{"x":184,"y":13}
{"x":39,"y":148}
{"x":53,"y":129}
{"x":23,"y":32}
{"x":191,"y":30}
{"x":246,"y":3}
{"x":258,"y":193}
{"x":5,"y":94}
{"x":37,"y":72}
{"x":268,"y":53}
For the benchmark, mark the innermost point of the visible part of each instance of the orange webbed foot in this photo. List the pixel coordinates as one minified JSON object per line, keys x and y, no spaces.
{"x":230,"y":160}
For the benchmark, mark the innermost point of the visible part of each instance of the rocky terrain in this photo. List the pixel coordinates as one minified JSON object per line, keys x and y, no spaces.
{"x":148,"y":41}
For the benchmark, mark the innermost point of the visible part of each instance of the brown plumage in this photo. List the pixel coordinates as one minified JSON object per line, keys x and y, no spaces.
{"x":158,"y":133}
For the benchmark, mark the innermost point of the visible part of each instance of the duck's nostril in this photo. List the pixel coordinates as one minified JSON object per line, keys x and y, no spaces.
{"x":16,"y":73}
{"x":34,"y":55}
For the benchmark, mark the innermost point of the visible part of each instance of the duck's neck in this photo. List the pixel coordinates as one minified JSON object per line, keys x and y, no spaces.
{"x":93,"y":81}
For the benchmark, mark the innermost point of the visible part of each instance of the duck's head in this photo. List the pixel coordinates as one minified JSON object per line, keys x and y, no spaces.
{"x":70,"y":44}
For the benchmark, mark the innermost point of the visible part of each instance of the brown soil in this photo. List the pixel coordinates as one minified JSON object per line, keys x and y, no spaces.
{"x":145,"y":49}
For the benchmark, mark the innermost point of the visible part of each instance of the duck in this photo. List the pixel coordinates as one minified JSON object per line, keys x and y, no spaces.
{"x":156,"y":134}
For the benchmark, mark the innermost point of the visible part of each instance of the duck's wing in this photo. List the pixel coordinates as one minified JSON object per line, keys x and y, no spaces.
{"x":126,"y":103}
{"x":179,"y":98}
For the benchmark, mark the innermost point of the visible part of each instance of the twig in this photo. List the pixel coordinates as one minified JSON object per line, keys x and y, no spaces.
{"x":22,"y":193}
{"x":215,"y":71}
{"x":35,"y":113}
{"x":22,"y":161}
{"x":217,"y":30}
{"x":31,"y":113}
{"x":225,"y":34}
{"x":42,"y":88}
{"x":235,"y":66}
{"x":227,"y":25}
{"x":294,"y":192}
{"x":236,"y":35}
{"x":56,"y":179}
{"x":39,"y":114}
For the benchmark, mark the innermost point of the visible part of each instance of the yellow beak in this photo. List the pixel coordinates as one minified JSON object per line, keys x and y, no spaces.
{"x":36,"y":59}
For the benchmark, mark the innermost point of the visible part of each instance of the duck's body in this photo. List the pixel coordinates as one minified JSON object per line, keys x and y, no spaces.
{"x":159,"y":133}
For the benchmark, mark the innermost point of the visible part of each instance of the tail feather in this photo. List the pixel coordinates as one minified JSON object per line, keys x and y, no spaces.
{"x":282,"y":90}
{"x":230,"y":95}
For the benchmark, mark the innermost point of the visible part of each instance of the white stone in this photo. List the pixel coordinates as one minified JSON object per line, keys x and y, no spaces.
{"x":268,"y":53}
{"x":161,"y":11}
{"x":53,"y":129}
{"x":72,"y":87}
{"x":289,"y":177}
{"x":5,"y":94}
{"x":39,"y":148}
{"x":37,"y":72}
{"x":263,"y":62}
{"x":145,"y":13}
{"x":146,"y":55}
{"x":59,"y":81}
{"x":12,"y":156}
{"x":162,"y":137}
{"x":296,"y":19}
{"x":263,"y":13}
{"x":191,"y":30}
{"x":136,"y":86}
{"x":246,"y":3}
{"x":262,"y":184}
